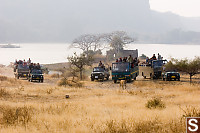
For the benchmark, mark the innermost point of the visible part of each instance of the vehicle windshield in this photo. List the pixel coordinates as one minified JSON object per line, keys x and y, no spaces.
{"x":157,"y":64}
{"x":120,"y":67}
{"x":98,"y":69}
{"x":36,"y":72}
{"x":20,"y":66}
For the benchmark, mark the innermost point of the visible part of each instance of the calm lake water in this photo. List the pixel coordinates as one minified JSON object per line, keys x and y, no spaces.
{"x":55,"y":53}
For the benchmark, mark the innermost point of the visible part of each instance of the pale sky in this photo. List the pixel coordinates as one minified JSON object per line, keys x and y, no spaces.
{"x":187,"y":8}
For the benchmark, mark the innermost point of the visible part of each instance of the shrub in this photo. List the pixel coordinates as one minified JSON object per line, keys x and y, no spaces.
{"x":55,"y":75}
{"x":3,"y":78}
{"x":155,"y":103}
{"x":71,"y":83}
{"x":16,"y":115}
{"x":3,"y":93}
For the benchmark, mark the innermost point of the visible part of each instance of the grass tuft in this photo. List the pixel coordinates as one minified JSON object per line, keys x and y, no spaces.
{"x":191,"y":112}
{"x":155,"y":103}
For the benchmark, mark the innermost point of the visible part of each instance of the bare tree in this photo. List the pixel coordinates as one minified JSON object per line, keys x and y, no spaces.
{"x":87,"y":43}
{"x":79,"y":62}
{"x":117,"y":40}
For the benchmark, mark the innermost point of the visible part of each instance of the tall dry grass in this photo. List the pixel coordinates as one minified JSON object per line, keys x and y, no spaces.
{"x":97,"y":107}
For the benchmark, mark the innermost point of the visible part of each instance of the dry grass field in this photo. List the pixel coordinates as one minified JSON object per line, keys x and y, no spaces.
{"x":145,"y":106}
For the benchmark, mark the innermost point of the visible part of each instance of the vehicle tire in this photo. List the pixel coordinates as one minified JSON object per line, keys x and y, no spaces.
{"x":163,"y":79}
{"x":107,"y":78}
{"x":39,"y":80}
{"x":135,"y":78}
{"x":145,"y":77}
{"x":42,"y":81}
{"x":179,"y":79}
{"x":150,"y":75}
{"x":115,"y":81}
{"x":92,"y":79}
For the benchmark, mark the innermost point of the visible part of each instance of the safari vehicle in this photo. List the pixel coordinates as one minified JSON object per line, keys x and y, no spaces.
{"x":21,"y":71}
{"x":153,"y":70}
{"x":169,"y":76}
{"x":36,"y":75}
{"x":124,"y":71}
{"x":100,"y":73}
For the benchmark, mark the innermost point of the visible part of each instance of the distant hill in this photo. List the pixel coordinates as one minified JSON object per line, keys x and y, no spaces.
{"x":64,"y":20}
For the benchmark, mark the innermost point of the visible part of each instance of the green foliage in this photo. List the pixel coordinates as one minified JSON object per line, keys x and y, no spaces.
{"x":190,"y":67}
{"x":155,"y":103}
{"x":143,"y":56}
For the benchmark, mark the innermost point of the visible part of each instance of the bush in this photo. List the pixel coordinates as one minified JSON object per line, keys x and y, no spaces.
{"x":155,"y":103}
{"x":3,"y":78}
{"x":55,"y":75}
{"x":3,"y":93}
{"x":71,"y":83}
{"x":16,"y":115}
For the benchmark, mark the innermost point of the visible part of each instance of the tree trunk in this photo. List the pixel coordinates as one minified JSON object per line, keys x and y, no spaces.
{"x":81,"y":74}
{"x":190,"y":78}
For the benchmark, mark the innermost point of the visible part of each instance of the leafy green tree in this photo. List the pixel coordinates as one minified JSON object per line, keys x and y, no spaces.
{"x":191,"y":67}
{"x":79,"y":62}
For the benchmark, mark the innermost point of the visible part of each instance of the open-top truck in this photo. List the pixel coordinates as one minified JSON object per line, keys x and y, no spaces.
{"x":21,"y":71}
{"x":153,"y":70}
{"x":124,"y":71}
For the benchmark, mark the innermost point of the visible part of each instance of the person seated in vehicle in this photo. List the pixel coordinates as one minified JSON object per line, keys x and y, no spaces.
{"x":31,"y":66}
{"x":38,"y":66}
{"x":20,"y":62}
{"x":159,"y":57}
{"x":147,"y":60}
{"x":24,"y":63}
{"x":100,"y":64}
{"x":135,"y":61}
{"x":153,"y":57}
{"x":125,"y":59}
{"x":120,"y":59}
{"x":29,"y":61}
{"x":130,"y":59}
